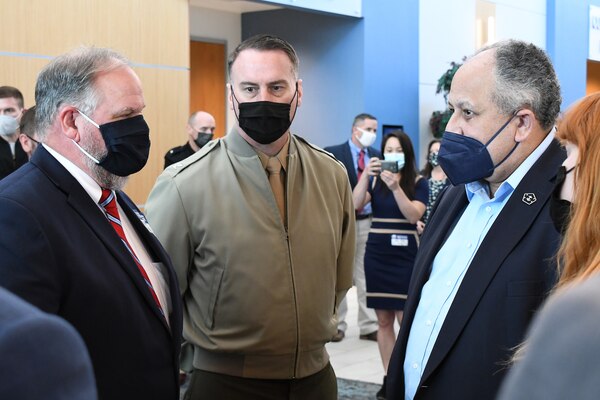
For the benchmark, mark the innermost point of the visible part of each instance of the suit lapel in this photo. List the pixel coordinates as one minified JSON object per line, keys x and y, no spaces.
{"x":82,"y":204}
{"x":152,"y":246}
{"x":449,"y":209}
{"x":348,"y":161}
{"x":516,"y":217}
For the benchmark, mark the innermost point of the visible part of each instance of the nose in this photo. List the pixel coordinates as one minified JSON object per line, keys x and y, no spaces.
{"x":453,"y":125}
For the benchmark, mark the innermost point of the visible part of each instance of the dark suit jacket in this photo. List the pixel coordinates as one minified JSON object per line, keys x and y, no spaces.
{"x":42,"y":356}
{"x":59,"y":252}
{"x":509,"y":276}
{"x":343,"y":153}
{"x":177,"y":154}
{"x":8,"y":163}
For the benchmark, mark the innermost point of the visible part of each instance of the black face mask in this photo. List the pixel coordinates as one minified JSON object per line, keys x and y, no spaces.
{"x":265,"y":121}
{"x":203,"y":138}
{"x":560,"y":209}
{"x":127,"y":142}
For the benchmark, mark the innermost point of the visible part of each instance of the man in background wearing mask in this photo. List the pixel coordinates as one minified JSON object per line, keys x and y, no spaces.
{"x":86,"y":252}
{"x":355,"y":155}
{"x":263,"y":244}
{"x":27,"y":136}
{"x":12,"y":155}
{"x":486,"y":259}
{"x":200,"y":129}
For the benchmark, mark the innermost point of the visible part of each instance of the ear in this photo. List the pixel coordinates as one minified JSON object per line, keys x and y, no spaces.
{"x":230,"y":96}
{"x":66,"y":118}
{"x":525,"y":124}
{"x":25,"y":142}
{"x":300,"y":91}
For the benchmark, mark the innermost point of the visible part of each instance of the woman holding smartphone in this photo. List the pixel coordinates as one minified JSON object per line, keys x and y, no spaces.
{"x":398,"y":200}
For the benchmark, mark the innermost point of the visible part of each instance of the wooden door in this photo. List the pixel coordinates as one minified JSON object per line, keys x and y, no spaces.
{"x":207,"y":81}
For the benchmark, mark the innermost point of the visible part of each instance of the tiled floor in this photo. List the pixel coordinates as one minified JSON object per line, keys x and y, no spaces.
{"x":353,"y":358}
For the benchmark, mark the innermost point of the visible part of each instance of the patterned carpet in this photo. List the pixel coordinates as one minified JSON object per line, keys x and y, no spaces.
{"x":356,"y":390}
{"x":347,"y":390}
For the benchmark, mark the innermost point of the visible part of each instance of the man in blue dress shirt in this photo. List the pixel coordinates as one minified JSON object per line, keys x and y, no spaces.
{"x":486,"y":257}
{"x":355,"y":155}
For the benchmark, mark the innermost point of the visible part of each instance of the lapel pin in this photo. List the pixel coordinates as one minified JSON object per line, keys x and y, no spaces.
{"x":529,"y":198}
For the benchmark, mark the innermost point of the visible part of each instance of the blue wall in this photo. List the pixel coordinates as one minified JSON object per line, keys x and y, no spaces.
{"x":330,"y":49}
{"x":567,"y":44}
{"x":350,"y":66}
{"x":392,"y":63}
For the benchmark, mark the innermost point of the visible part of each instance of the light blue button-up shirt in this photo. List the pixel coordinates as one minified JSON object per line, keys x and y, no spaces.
{"x":355,"y":150}
{"x":451,"y":264}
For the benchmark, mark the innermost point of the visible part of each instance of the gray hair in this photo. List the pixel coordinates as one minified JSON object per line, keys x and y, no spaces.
{"x":69,"y":79}
{"x":525,"y":78}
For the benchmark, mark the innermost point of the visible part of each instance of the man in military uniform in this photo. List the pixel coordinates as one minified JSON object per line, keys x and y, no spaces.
{"x":200,"y":129}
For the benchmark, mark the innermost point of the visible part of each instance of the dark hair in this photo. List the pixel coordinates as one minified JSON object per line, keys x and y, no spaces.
{"x":265,"y":42}
{"x":361,"y":117}
{"x":426,"y":172}
{"x":409,"y":171}
{"x":27,"y":124}
{"x":9,"y":91}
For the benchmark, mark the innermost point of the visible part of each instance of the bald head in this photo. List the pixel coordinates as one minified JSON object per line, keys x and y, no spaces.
{"x":200,"y":123}
{"x":202,"y":119}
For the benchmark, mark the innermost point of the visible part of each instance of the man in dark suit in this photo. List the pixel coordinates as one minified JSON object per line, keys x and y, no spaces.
{"x":43,"y":357}
{"x":73,"y":244}
{"x":355,"y":154}
{"x":485,"y":262}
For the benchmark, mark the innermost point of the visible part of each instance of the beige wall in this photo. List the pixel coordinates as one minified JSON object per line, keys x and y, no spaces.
{"x":153,"y":34}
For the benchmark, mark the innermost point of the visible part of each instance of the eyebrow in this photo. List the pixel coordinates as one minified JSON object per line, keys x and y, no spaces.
{"x":462,"y":104}
{"x":277,"y":82}
{"x":128,"y":110}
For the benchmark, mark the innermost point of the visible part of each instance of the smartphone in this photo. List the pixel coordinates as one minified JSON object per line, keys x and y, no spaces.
{"x":391,"y":166}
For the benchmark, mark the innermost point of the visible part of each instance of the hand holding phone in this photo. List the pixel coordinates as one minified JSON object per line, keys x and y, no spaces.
{"x":391,"y":166}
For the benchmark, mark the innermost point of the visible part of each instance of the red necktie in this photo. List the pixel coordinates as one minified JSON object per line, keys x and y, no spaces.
{"x":361,"y":162}
{"x":108,"y":202}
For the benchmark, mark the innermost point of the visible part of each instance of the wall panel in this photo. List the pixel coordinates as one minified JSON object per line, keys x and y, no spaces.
{"x":153,"y":34}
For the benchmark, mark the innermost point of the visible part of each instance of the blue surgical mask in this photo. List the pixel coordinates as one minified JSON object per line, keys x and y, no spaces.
{"x":8,"y":125}
{"x":398,"y":157}
{"x":465,"y":159}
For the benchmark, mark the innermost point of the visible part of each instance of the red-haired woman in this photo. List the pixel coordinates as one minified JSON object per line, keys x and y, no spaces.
{"x":561,"y":357}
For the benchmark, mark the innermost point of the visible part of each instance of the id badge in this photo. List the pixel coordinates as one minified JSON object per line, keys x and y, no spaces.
{"x":399,"y":240}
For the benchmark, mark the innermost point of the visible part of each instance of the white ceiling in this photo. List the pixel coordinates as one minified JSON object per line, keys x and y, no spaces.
{"x":232,"y":6}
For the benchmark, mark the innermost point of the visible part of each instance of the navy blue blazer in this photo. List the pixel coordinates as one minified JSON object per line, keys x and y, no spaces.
{"x":509,"y":276}
{"x":343,"y":153}
{"x":59,"y":252}
{"x":43,"y":357}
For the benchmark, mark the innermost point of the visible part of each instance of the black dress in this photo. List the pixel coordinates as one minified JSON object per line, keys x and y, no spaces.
{"x":391,"y":248}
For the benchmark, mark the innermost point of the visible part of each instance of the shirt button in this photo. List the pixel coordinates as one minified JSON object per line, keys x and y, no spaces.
{"x":488,"y":209}
{"x":448,"y":283}
{"x":469,"y":245}
{"x":428,"y":322}
{"x":415,"y":365}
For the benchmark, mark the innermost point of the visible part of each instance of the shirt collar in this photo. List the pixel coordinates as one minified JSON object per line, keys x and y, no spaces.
{"x":516,"y":177}
{"x":355,"y":149}
{"x":281,"y":156}
{"x":87,"y":182}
